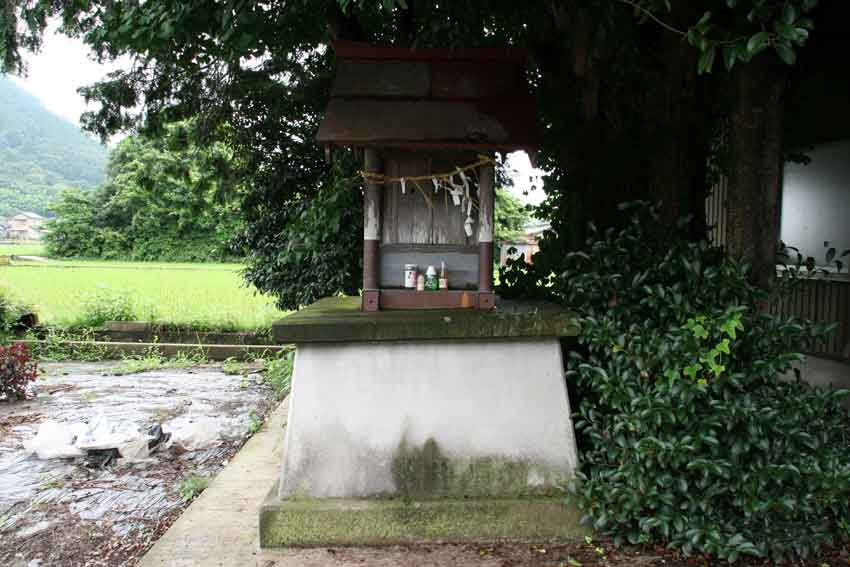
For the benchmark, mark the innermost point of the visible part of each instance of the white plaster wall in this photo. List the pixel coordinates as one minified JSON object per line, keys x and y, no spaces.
{"x":816,"y":201}
{"x":353,"y":403}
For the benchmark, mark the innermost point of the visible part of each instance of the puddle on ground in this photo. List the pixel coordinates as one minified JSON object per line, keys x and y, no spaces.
{"x":122,"y":497}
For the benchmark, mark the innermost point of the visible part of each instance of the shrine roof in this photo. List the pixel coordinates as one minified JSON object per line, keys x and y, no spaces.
{"x":430,"y":98}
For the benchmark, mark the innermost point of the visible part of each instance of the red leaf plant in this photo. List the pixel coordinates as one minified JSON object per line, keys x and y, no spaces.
{"x":17,"y":369}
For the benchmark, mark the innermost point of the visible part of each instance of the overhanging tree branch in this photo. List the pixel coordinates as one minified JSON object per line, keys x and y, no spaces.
{"x":653,"y":17}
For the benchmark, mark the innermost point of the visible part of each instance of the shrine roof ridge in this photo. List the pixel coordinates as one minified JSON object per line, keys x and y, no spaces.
{"x":362,"y":50}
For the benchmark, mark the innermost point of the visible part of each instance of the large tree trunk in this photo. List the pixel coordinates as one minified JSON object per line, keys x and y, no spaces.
{"x":681,"y":116}
{"x":650,"y":146}
{"x":755,"y":171}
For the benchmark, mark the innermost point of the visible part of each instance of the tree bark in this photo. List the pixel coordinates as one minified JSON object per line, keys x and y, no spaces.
{"x":681,"y":114}
{"x":651,"y":145}
{"x":755,"y":172}
{"x":343,"y":26}
{"x":405,"y":24}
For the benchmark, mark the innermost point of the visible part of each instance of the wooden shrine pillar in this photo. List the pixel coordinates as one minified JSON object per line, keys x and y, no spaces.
{"x":486,"y":207}
{"x":371,"y":233}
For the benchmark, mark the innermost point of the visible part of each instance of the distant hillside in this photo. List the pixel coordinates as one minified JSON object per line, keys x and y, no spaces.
{"x":41,"y":153}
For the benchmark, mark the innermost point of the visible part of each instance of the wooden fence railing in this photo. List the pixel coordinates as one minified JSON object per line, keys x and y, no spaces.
{"x":822,"y":300}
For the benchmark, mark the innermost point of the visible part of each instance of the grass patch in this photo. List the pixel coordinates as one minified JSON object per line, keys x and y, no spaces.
{"x":155,"y":361}
{"x":198,"y":296}
{"x":254,"y":423}
{"x":277,"y":373}
{"x":147,"y":364}
{"x":233,"y":367}
{"x":55,"y":347}
{"x":191,"y":487}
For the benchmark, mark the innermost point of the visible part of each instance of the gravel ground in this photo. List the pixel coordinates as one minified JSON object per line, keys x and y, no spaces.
{"x":596,"y":554}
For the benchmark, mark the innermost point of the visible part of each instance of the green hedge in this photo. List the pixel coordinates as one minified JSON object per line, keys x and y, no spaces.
{"x":688,"y":434}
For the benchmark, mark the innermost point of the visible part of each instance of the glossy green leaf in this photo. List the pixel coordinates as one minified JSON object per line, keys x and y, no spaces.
{"x":758,"y":43}
{"x":730,"y":55}
{"x":787,"y":54}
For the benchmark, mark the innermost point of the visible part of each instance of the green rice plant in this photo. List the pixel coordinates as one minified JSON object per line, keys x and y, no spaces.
{"x":189,"y":296}
{"x":22,"y":250}
{"x":104,"y":305}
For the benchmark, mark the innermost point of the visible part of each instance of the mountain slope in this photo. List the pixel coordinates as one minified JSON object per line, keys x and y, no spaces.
{"x":41,"y":153}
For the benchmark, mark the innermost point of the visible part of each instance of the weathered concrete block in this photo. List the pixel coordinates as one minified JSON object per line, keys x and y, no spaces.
{"x":430,"y":419}
{"x":128,"y":326}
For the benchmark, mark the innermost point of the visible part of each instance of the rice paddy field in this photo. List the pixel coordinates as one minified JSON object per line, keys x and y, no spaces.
{"x":208,"y":296}
{"x":21,"y":249}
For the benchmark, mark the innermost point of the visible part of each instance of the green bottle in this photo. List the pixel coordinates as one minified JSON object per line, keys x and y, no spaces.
{"x":432,"y":282}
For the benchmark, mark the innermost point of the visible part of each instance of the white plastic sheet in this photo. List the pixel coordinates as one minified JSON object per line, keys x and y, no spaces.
{"x":56,"y":440}
{"x":193,"y":433}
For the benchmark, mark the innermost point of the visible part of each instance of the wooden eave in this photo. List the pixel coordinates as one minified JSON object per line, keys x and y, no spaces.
{"x":465,"y":99}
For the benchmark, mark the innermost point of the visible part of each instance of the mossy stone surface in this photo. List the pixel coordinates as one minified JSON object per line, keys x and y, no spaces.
{"x":424,"y":472}
{"x":339,"y":319}
{"x":340,"y":522}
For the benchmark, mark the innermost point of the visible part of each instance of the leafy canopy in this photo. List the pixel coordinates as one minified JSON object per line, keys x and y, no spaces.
{"x":264,"y":68}
{"x":165,"y":199}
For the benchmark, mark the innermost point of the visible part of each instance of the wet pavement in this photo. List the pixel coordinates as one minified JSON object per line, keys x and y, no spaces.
{"x":70,"y":512}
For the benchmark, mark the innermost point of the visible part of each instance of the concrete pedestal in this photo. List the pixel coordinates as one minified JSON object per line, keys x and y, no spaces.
{"x":407,"y":440}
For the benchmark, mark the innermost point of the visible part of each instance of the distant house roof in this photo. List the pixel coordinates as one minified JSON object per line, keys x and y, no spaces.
{"x":421,"y":98}
{"x":531,"y":232}
{"x":537,"y":227}
{"x":29,"y":215}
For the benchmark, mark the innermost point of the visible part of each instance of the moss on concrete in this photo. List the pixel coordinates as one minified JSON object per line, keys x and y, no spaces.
{"x":334,"y":522}
{"x":339,"y":319}
{"x":424,"y":472}
{"x":420,"y":471}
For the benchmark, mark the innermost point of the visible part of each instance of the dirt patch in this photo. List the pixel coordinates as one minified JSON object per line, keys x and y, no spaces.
{"x":11,"y":422}
{"x":594,"y":554}
{"x":50,"y":389}
{"x":73,"y":512}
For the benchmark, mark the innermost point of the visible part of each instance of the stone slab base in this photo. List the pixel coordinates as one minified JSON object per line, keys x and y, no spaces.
{"x":428,"y":420}
{"x":352,"y":522}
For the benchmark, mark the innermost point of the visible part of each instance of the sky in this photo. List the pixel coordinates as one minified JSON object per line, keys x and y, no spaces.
{"x":63,"y":65}
{"x":55,"y":73}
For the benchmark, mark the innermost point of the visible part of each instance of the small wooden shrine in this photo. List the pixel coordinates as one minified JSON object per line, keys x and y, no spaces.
{"x":411,"y":418}
{"x":428,"y":122}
